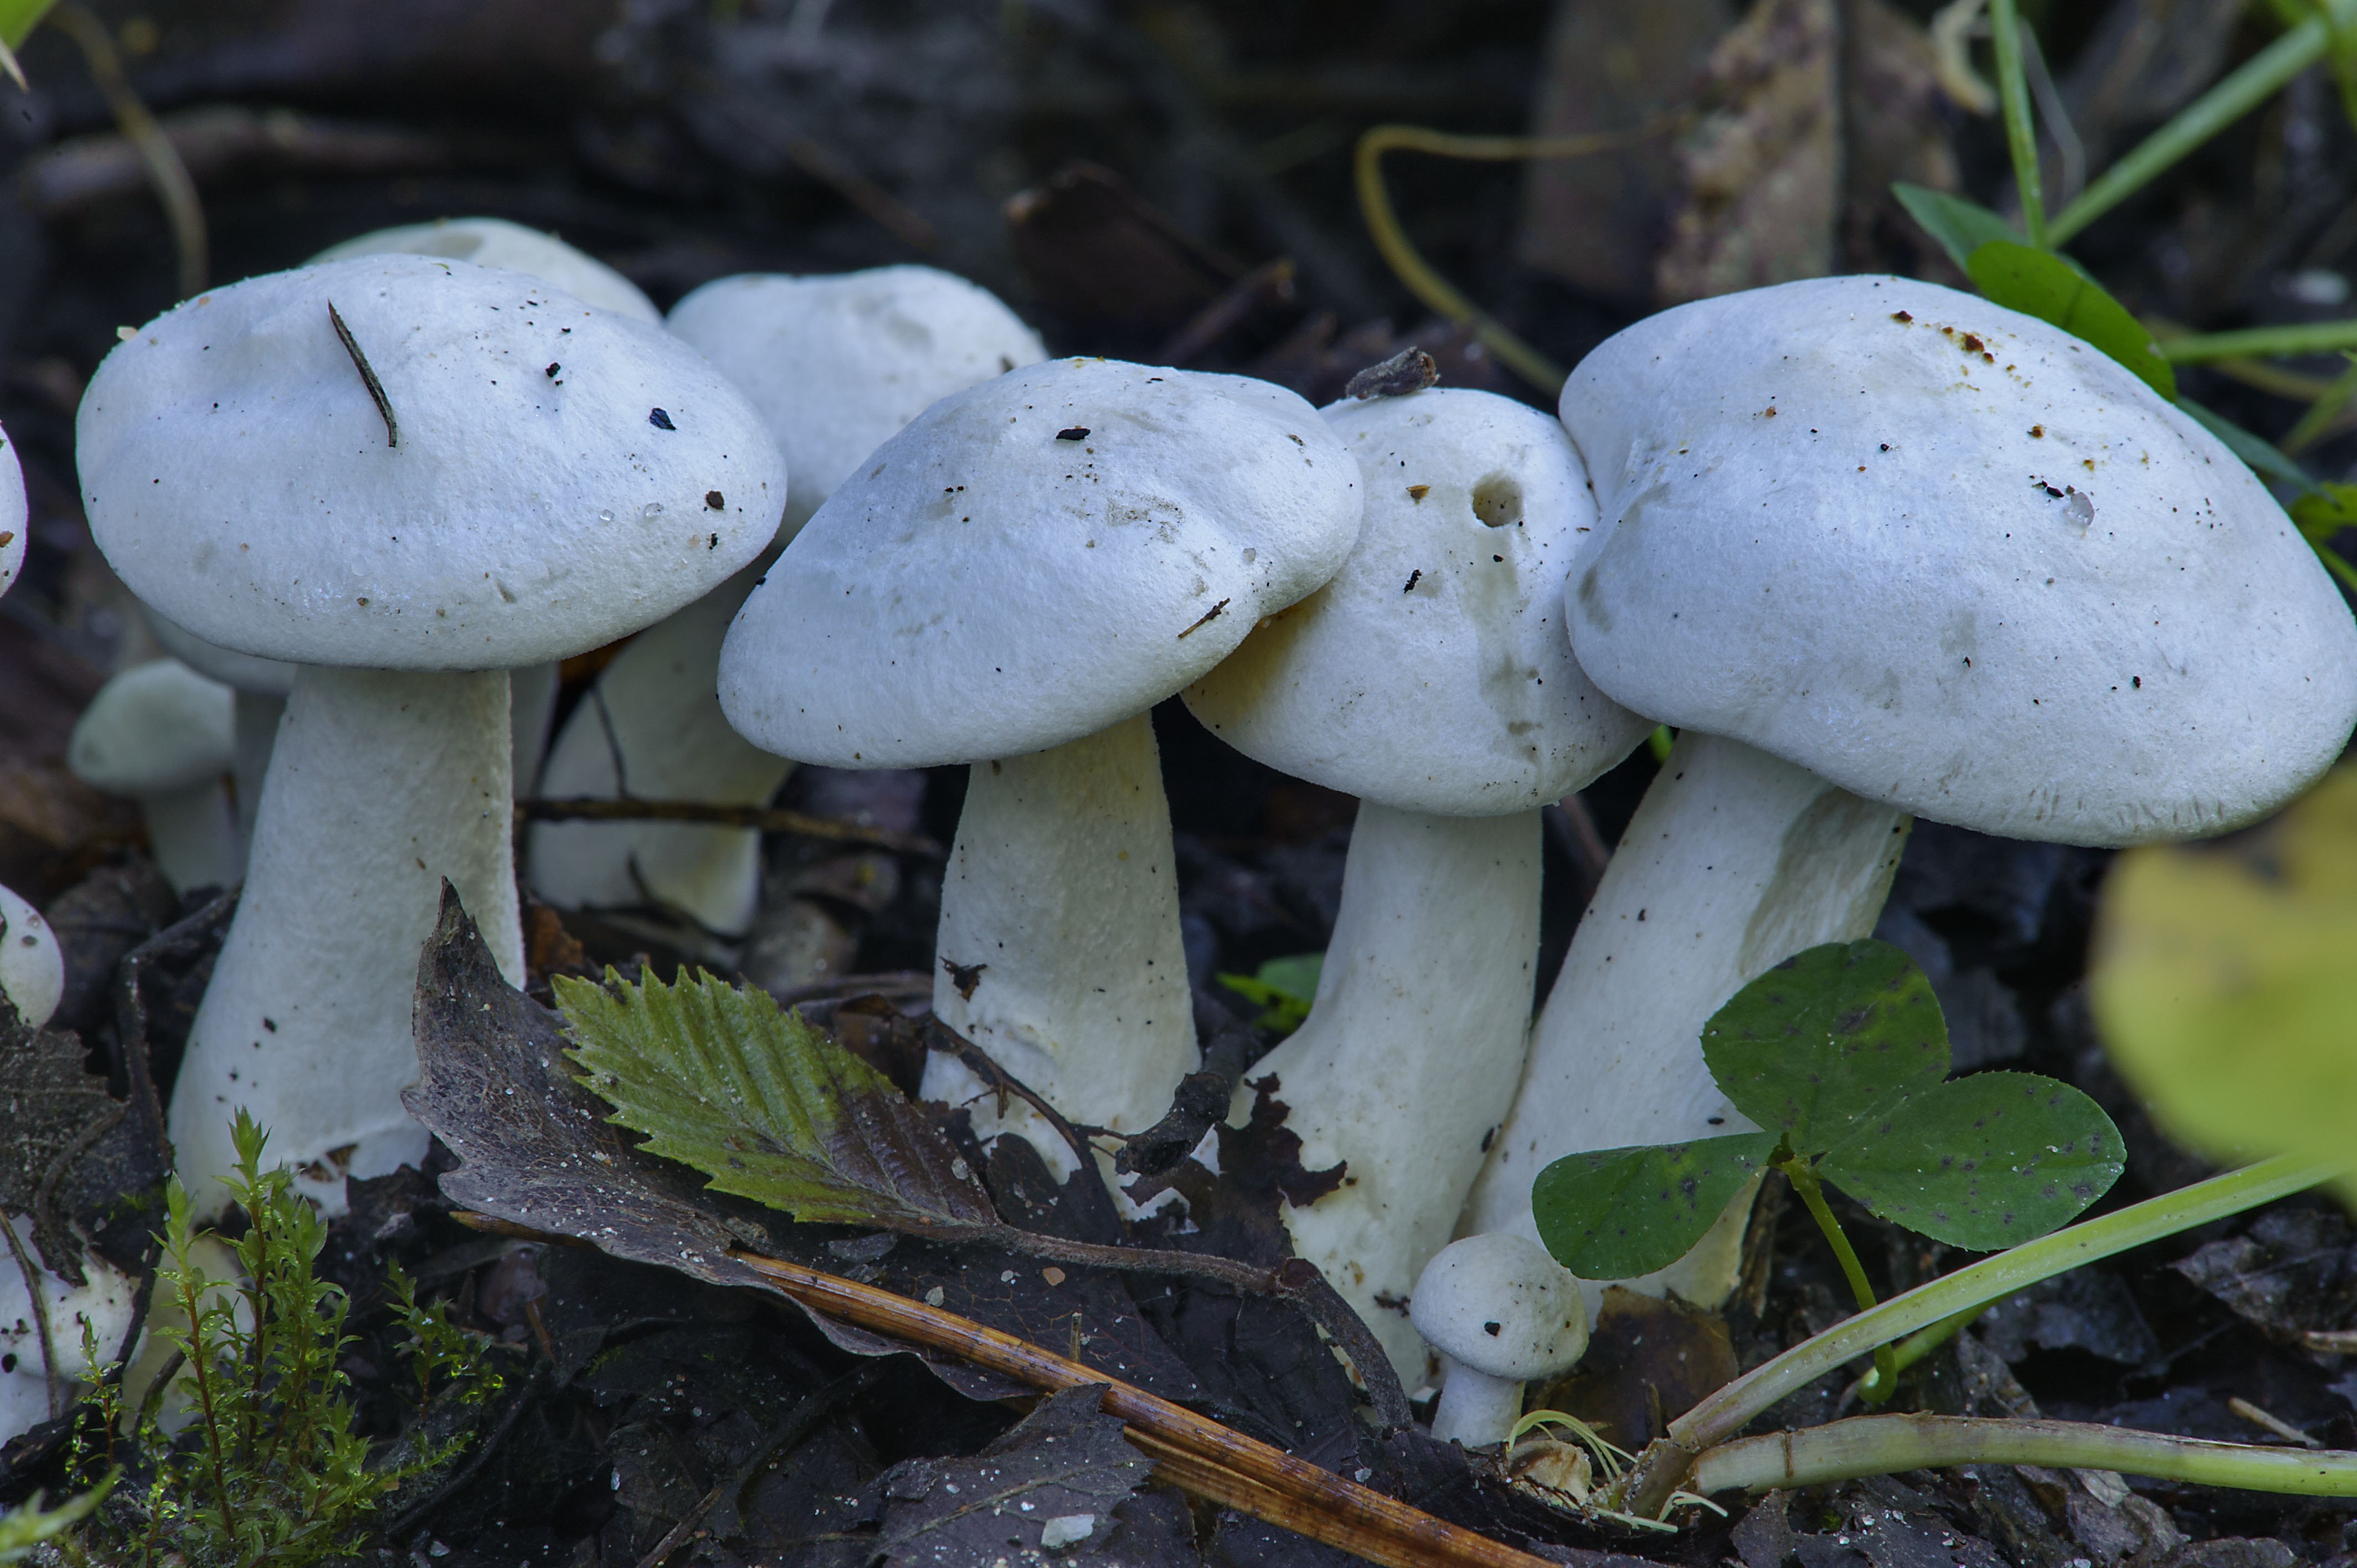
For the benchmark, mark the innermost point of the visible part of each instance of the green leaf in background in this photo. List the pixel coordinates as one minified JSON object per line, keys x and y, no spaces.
{"x":2224,"y":982}
{"x":19,"y":17}
{"x":1618,"y":1213}
{"x":2322,"y":515}
{"x":766,"y":1106}
{"x":2041,"y":284}
{"x":1284,"y":987}
{"x":30,"y":1524}
{"x":2326,"y":511}
{"x":1985,"y":1162}
{"x":17,"y":21}
{"x":2259,"y":454}
{"x":1960,"y":226}
{"x":1821,"y":1041}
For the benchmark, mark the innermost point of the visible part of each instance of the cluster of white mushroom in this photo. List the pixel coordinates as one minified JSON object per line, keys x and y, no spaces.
{"x":45,"y":1301}
{"x":1876,"y":547}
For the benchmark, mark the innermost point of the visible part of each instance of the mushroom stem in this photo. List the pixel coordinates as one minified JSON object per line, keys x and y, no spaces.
{"x":1733,"y":862}
{"x":255,"y":720}
{"x":1409,"y":1059}
{"x":382,"y":784}
{"x":1059,"y":941}
{"x":193,"y":836}
{"x":654,"y":709}
{"x":1476,"y":1409}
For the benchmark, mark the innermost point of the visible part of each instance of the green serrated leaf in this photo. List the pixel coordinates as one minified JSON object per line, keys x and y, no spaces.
{"x":766,"y":1106}
{"x":1615,"y":1214}
{"x":1985,"y":1162}
{"x":2041,"y":284}
{"x":2261,"y":456}
{"x":1821,"y":1041}
{"x":1960,"y":226}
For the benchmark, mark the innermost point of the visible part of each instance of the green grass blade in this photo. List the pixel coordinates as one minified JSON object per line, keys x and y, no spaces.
{"x":2262,"y":342}
{"x":1728,"y":1411}
{"x":2021,"y":130}
{"x":2251,"y":84}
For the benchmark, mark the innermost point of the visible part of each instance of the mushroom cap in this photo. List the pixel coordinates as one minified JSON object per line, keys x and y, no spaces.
{"x":32,"y":967}
{"x":1433,"y":673}
{"x":495,"y":242}
{"x":838,"y":364}
{"x":14,"y":512}
{"x":155,"y":728}
{"x":240,"y":671}
{"x":1498,"y":1304}
{"x":237,"y":474}
{"x":1950,"y":557}
{"x":1036,"y":559}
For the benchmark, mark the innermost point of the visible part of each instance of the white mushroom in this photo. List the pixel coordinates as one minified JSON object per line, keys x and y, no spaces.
{"x":41,"y":1359}
{"x":836,"y":365}
{"x":495,"y":242}
{"x":839,"y":363}
{"x":1503,"y":1312}
{"x":165,"y":736}
{"x":32,"y":971}
{"x":260,"y":702}
{"x":1014,"y":581}
{"x":1880,"y":548}
{"x":1431,"y":677}
{"x":13,"y":514}
{"x":562,"y":477}
{"x":40,"y":1329}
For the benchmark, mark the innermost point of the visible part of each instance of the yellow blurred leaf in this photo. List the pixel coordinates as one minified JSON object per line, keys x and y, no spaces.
{"x":2225,"y":983}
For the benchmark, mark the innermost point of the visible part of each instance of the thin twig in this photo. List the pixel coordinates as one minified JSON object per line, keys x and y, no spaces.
{"x":2268,"y":1422}
{"x":1296,"y":1281}
{"x":798,"y":1424}
{"x":174,"y":187}
{"x":1391,"y":240}
{"x":367,"y":375}
{"x":887,"y":983}
{"x":613,"y":740}
{"x":823,"y":165}
{"x":1230,"y":1468}
{"x":1270,"y":281}
{"x":40,"y":1301}
{"x":1337,"y":1513}
{"x":766,"y":818}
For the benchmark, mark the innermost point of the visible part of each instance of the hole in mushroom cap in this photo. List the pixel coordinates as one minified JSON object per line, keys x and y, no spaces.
{"x":1497,"y":501}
